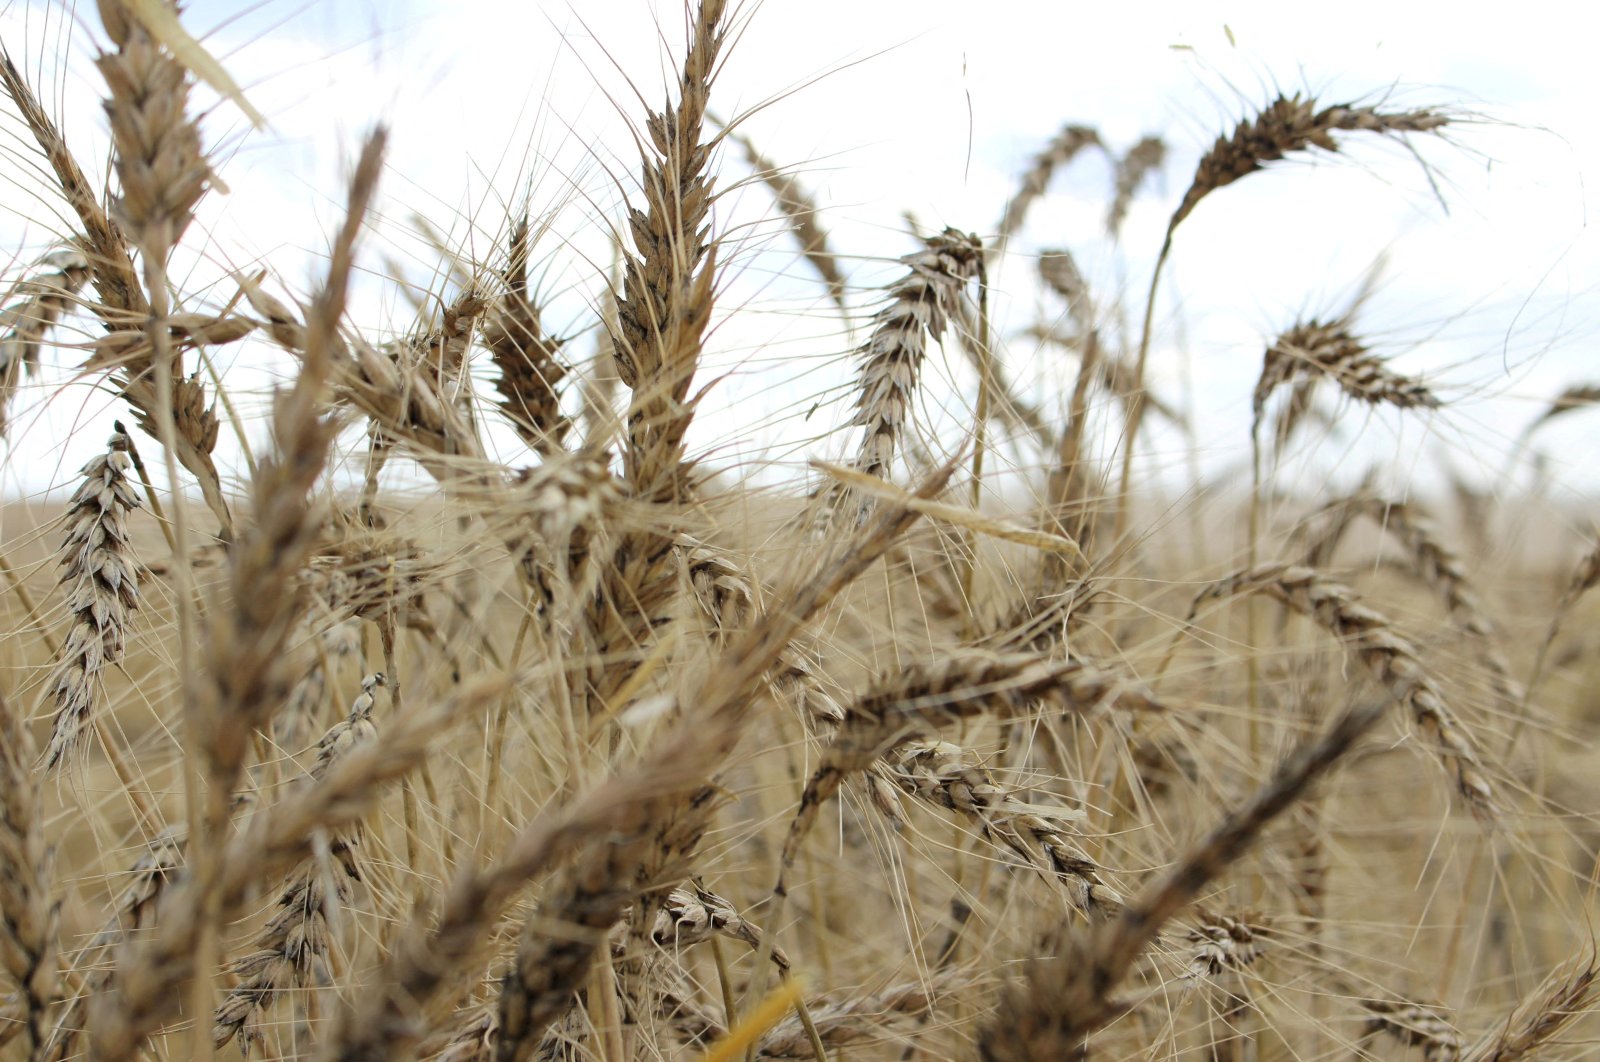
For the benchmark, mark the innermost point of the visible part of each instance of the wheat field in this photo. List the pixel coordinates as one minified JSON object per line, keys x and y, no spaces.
{"x":471,"y":693}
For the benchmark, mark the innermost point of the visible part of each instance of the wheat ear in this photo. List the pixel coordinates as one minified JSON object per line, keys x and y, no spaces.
{"x":662,"y":316}
{"x":28,"y":915}
{"x":1062,"y":149}
{"x":1287,"y":125}
{"x":1565,"y":995}
{"x":30,"y":309}
{"x":135,"y":910}
{"x":803,"y":215}
{"x":1390,"y":658}
{"x":529,"y":368}
{"x":1137,"y":165}
{"x":1327,"y":349}
{"x":294,"y":945}
{"x":921,"y":305}
{"x":102,"y":576}
{"x":1415,"y":1025}
{"x":1068,"y":995}
{"x":942,"y":774}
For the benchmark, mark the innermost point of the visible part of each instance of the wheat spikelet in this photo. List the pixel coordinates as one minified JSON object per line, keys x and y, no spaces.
{"x":1061,"y":150}
{"x":29,"y":310}
{"x":921,"y":304}
{"x":102,"y":576}
{"x":1390,"y":658}
{"x":28,"y":946}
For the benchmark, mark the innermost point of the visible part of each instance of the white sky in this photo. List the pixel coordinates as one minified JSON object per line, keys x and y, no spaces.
{"x":933,"y":107}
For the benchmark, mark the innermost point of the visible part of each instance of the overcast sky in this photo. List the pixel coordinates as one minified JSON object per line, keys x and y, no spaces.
{"x":931,"y":107}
